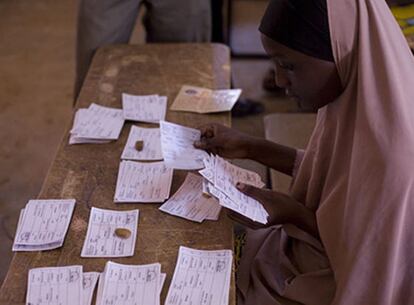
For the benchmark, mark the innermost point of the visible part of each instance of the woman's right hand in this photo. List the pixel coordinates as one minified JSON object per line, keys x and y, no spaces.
{"x":224,"y":141}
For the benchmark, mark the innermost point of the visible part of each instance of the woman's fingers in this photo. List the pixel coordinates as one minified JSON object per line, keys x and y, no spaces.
{"x":208,"y":141}
{"x":208,"y":144}
{"x":251,"y":191}
{"x":207,"y":131}
{"x":244,"y":220}
{"x":200,"y":144}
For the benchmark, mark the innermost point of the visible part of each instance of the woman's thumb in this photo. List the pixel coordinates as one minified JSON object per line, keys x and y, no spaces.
{"x":249,"y":190}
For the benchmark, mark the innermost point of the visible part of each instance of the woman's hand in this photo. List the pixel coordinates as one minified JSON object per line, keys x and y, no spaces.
{"x":223,"y":141}
{"x":230,"y":143}
{"x":281,"y":208}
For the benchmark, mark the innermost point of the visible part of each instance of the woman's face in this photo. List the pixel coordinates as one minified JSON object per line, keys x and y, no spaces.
{"x":311,"y":82}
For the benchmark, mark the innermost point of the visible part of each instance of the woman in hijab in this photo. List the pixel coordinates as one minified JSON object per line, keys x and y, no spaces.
{"x":343,"y":235}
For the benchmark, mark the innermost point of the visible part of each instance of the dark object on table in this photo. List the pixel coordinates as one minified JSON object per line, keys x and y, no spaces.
{"x":245,"y":107}
{"x":139,"y":145}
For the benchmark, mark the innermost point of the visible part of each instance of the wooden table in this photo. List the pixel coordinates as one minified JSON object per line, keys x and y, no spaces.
{"x":88,"y":172}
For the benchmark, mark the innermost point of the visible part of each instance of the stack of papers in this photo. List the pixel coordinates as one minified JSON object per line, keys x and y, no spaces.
{"x":61,"y":285}
{"x":202,"y":100}
{"x":143,"y":182}
{"x":144,"y":108}
{"x":223,"y":177}
{"x":55,"y":285}
{"x":201,"y":277}
{"x":177,"y":143}
{"x":151,"y":144}
{"x":130,"y":284}
{"x":43,"y":224}
{"x":101,"y":240}
{"x":96,"y":124}
{"x":190,"y":203}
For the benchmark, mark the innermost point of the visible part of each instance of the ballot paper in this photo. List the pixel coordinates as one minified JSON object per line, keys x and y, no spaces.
{"x":201,"y":277}
{"x":162,"y":281}
{"x":177,"y":144}
{"x":130,"y":284}
{"x":214,"y":212}
{"x":151,"y":144}
{"x":80,"y":116}
{"x":96,"y":124}
{"x":202,"y":100}
{"x":43,"y":224}
{"x":143,"y":182}
{"x":88,"y":284}
{"x":144,"y":108}
{"x":101,"y":240}
{"x":223,"y":177}
{"x":55,"y":285}
{"x":190,"y":203}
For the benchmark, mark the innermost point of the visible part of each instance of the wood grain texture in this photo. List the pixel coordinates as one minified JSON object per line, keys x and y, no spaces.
{"x":88,"y":172}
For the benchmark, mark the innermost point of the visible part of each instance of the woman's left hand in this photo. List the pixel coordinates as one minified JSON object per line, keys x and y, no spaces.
{"x":280,"y":207}
{"x":274,"y":203}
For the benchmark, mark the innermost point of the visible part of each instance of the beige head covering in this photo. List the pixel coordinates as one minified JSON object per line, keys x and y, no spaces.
{"x":358,"y":171}
{"x":357,"y":175}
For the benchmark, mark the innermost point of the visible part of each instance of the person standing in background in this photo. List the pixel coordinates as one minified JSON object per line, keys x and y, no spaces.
{"x":105,"y":22}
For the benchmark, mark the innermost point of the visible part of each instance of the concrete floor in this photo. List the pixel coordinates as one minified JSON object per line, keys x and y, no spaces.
{"x":36,"y":79}
{"x":36,"y":82}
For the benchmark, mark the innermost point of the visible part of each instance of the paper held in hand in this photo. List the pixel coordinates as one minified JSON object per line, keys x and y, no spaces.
{"x":203,"y":100}
{"x":222,"y":177}
{"x":177,"y":144}
{"x":190,"y":203}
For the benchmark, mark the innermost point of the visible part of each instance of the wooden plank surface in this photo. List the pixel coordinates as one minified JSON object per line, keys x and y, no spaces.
{"x":88,"y":172}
